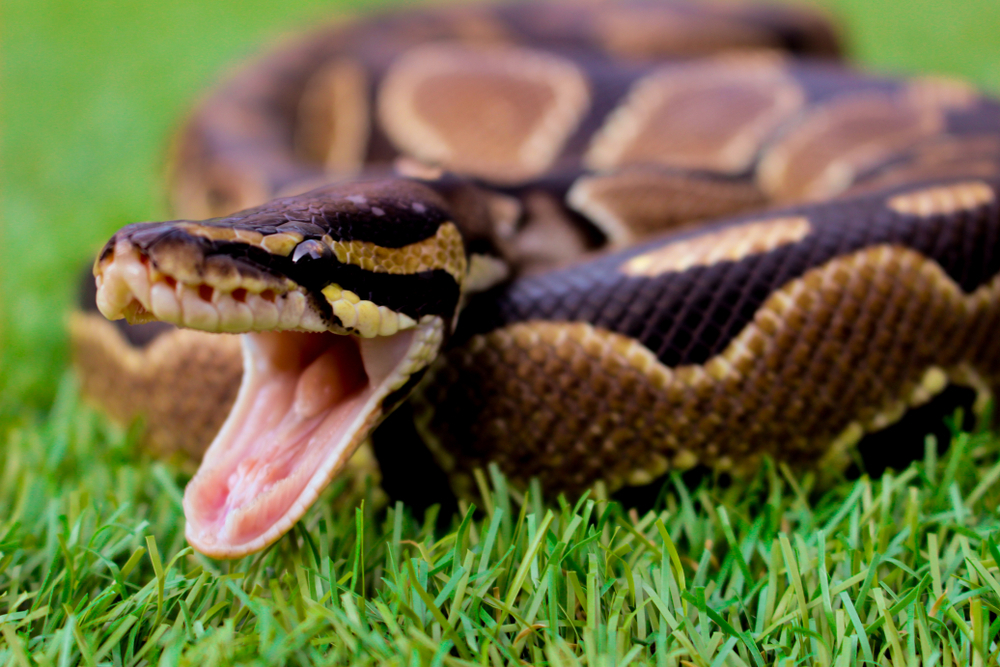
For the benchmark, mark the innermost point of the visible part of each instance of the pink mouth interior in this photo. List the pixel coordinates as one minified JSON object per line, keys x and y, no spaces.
{"x":294,"y":423}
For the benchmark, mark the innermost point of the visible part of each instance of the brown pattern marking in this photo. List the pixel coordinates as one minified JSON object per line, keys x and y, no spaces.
{"x":637,"y":202}
{"x":654,"y":32}
{"x":943,"y":200}
{"x":502,"y":113}
{"x":727,"y":245}
{"x":941,"y":91}
{"x":711,"y":116}
{"x":939,"y":158}
{"x":951,"y":148}
{"x":333,"y":125}
{"x":445,"y":250}
{"x":920,"y":172}
{"x":822,"y":154}
{"x":842,"y":350}
{"x":182,"y":377}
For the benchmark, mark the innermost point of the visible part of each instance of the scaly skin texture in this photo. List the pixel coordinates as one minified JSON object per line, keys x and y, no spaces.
{"x":531,"y":136}
{"x":656,"y":359}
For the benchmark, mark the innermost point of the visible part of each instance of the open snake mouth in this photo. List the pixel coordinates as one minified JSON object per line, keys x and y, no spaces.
{"x":306,"y":403}
{"x":310,"y":393}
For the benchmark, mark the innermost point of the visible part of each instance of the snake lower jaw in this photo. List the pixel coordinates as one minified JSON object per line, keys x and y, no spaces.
{"x":306,"y":403}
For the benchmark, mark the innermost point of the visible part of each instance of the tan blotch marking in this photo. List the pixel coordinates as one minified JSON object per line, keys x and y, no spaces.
{"x":711,"y":116}
{"x":941,"y":91}
{"x":940,"y":158}
{"x":333,"y":126}
{"x":496,"y":112}
{"x":727,"y":245}
{"x":634,"y":203}
{"x":445,"y":250}
{"x":822,"y":154}
{"x":655,"y":31}
{"x":920,"y":172}
{"x":948,"y":148}
{"x":840,"y":351}
{"x":943,"y":200}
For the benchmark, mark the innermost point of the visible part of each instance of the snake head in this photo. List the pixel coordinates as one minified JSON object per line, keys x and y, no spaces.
{"x":345,"y":295}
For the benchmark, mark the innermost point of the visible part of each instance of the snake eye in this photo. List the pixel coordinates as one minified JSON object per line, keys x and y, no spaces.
{"x":311,"y":249}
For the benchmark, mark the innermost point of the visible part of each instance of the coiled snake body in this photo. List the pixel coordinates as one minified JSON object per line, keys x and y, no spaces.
{"x":479,"y":157}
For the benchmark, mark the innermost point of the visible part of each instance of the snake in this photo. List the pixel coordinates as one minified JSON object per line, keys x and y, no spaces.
{"x":582,"y":242}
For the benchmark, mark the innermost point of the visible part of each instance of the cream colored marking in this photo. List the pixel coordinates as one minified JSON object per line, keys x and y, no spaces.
{"x":407,"y":166}
{"x":726,"y":245}
{"x":364,"y":317}
{"x":484,"y":272}
{"x":211,"y":232}
{"x":445,"y":250}
{"x":539,"y":148}
{"x":281,"y":243}
{"x":626,"y":128}
{"x":943,"y":200}
{"x":334,"y":117}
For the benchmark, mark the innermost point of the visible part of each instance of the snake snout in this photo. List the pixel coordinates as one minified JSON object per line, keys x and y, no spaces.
{"x":172,"y":273}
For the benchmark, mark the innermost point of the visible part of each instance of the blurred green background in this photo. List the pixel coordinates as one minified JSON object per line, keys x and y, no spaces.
{"x":92,"y":90}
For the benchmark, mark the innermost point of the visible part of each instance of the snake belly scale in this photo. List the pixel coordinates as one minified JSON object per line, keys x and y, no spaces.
{"x":593,"y":241}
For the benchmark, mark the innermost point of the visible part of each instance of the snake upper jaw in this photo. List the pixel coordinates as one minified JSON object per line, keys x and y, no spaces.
{"x":307,"y":401}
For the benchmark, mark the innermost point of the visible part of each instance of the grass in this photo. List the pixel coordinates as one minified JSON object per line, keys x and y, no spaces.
{"x":94,"y":570}
{"x":904,"y":570}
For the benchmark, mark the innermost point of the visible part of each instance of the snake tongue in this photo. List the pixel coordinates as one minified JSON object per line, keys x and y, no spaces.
{"x":306,"y":402}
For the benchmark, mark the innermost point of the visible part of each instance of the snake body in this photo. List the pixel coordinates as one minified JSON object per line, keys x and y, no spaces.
{"x":849,"y":274}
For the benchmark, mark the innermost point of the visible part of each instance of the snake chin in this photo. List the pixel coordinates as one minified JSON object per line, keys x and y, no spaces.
{"x":306,"y":403}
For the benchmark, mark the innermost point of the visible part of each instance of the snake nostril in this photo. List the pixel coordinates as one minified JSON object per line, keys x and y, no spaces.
{"x":205,"y":292}
{"x":268,"y":295}
{"x":240,"y":295}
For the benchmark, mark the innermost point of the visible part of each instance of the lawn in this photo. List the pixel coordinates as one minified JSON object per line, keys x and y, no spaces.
{"x":93,"y":565}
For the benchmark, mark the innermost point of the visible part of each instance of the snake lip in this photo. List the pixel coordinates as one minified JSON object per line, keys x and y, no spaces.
{"x":132,"y":285}
{"x":306,"y":403}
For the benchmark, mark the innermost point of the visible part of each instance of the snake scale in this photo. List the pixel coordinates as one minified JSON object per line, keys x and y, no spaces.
{"x":583,"y":241}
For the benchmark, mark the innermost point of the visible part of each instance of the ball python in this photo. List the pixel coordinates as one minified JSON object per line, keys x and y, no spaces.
{"x":592,"y":241}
